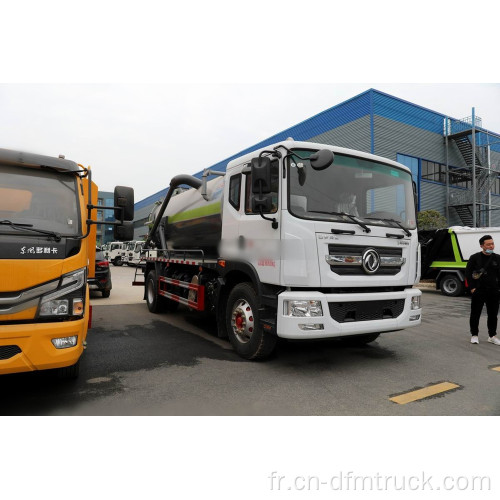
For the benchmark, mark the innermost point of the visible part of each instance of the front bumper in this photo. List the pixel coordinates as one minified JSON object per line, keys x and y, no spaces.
{"x":288,"y":326}
{"x":37,"y":350}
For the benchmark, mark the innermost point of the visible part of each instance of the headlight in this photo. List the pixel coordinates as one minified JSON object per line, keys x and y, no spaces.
{"x":68,"y":299}
{"x":302,"y":308}
{"x":415,"y":302}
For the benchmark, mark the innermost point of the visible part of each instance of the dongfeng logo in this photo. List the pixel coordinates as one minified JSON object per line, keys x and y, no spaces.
{"x":371,"y":261}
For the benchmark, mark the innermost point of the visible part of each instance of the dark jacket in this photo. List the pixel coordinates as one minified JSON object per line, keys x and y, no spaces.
{"x":490,"y":277}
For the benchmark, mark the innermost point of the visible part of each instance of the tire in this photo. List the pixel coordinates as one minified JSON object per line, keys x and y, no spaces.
{"x":69,"y":372}
{"x":118,"y":261}
{"x":360,"y":340}
{"x":106,"y":293}
{"x":242,"y":324}
{"x":156,"y":303}
{"x":451,"y":285}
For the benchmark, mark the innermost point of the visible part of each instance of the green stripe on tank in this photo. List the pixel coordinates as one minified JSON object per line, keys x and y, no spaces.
{"x":196,"y":213}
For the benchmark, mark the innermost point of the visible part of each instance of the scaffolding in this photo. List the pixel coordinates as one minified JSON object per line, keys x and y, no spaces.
{"x":473,"y":203}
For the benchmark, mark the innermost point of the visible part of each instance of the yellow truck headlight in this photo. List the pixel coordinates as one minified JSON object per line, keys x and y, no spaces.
{"x":68,"y":299}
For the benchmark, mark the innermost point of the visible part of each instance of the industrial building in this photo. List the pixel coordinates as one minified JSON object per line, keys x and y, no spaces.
{"x":455,"y":162}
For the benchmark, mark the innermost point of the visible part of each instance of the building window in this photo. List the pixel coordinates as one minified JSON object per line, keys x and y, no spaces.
{"x":495,"y":187}
{"x":433,"y":171}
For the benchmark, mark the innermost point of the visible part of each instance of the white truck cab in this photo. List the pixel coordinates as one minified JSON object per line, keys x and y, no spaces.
{"x":116,"y":252}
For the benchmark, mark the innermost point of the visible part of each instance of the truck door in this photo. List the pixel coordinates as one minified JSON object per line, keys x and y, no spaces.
{"x":257,"y":236}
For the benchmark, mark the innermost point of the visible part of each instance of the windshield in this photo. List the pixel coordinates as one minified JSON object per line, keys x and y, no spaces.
{"x":130,"y":246}
{"x":38,"y":199}
{"x":366,"y":190}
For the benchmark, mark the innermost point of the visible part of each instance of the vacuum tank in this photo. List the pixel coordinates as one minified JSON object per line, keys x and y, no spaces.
{"x":190,"y":222}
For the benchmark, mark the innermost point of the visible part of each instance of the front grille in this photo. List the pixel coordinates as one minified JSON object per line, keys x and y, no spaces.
{"x":357,"y":251}
{"x":8,"y":351}
{"x":347,"y":312}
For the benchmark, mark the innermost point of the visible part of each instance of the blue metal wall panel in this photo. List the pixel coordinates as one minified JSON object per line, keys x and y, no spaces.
{"x":353,"y":135}
{"x":405,"y":112}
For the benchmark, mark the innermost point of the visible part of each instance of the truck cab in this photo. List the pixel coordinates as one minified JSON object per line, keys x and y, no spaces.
{"x":47,"y":254}
{"x":339,"y":243}
{"x":117,"y":252}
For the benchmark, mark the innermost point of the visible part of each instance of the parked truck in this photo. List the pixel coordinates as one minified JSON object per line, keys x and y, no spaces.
{"x":297,"y":240}
{"x":47,"y":254}
{"x":445,"y":253}
{"x":134,"y":252}
{"x":116,"y":252}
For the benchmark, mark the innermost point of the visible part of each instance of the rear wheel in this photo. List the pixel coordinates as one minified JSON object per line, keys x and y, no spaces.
{"x":155,"y":302}
{"x":452,"y":286}
{"x":242,"y":324}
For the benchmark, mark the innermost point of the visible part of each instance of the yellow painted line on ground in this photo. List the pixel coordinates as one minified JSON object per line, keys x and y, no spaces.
{"x":496,"y":368}
{"x":426,"y":392}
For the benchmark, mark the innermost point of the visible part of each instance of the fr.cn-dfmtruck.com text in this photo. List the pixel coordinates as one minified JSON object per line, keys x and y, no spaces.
{"x":349,"y":481}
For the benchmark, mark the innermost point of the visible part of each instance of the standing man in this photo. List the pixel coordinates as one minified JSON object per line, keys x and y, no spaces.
{"x":483,"y":276}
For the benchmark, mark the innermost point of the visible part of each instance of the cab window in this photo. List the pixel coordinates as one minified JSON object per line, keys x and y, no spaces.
{"x":235,"y":191}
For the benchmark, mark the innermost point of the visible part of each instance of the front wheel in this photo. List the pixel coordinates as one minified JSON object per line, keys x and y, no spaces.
{"x":242,"y":324}
{"x":452,"y":286}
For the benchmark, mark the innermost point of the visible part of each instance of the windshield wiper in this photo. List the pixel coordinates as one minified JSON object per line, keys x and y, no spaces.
{"x":29,"y":227}
{"x":395,"y":222}
{"x":352,"y":217}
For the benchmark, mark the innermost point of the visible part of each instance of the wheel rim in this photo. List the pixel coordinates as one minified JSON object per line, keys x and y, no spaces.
{"x":450,"y":286}
{"x":151,"y":292}
{"x":242,"y":321}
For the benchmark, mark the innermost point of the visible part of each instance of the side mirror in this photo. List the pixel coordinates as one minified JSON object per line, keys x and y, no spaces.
{"x":124,"y":198}
{"x":261,"y":175}
{"x":322,"y":159}
{"x":262,"y":203}
{"x":124,"y":232}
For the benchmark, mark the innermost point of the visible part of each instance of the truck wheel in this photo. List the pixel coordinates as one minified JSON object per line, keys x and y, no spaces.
{"x":69,"y":372}
{"x":118,"y":261}
{"x":242,"y":324}
{"x":359,"y":340}
{"x":156,"y":303}
{"x":451,"y":285}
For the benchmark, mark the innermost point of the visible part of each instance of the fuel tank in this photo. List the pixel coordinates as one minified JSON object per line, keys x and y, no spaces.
{"x":190,"y":222}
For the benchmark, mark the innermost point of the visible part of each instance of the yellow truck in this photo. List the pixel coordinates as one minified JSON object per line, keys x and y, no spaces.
{"x":47,"y":254}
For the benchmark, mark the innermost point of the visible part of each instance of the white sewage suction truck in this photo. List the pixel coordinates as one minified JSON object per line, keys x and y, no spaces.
{"x":297,"y":240}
